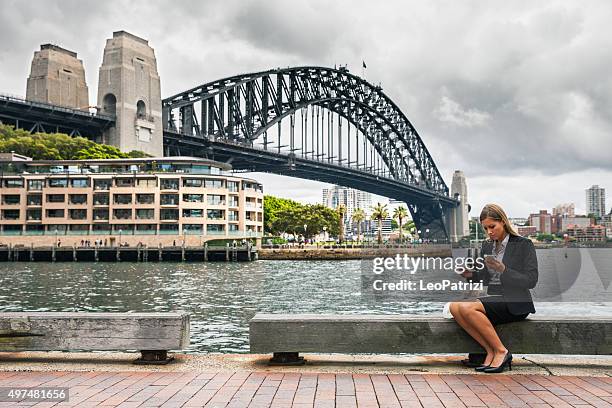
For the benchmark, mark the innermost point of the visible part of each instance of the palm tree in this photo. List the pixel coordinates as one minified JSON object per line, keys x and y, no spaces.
{"x":400,"y":213}
{"x":341,"y":210}
{"x":379,"y":213}
{"x":358,"y":217}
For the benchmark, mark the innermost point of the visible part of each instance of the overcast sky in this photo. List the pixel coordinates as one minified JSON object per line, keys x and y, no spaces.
{"x":516,"y":94}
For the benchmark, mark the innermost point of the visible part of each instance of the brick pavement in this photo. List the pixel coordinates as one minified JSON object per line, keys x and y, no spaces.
{"x":268,"y":389}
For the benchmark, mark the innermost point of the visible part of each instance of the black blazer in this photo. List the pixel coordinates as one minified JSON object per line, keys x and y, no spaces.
{"x":521,"y":273}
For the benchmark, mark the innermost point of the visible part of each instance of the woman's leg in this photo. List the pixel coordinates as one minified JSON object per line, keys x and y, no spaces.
{"x":458,"y":310}
{"x":478,"y":320}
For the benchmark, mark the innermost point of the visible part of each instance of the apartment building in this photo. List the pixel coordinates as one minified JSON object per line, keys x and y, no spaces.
{"x":149,"y":201}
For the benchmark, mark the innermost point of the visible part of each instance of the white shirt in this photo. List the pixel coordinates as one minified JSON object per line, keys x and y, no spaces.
{"x":494,"y":276}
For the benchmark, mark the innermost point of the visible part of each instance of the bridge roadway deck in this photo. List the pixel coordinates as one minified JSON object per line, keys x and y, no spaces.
{"x":108,"y":379}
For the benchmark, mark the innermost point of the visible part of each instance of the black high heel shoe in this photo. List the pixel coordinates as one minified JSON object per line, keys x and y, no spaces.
{"x":482,"y":368}
{"x":500,"y":368}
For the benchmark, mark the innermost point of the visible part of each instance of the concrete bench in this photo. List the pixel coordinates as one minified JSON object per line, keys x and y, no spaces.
{"x":153,"y":334}
{"x":286,"y":335}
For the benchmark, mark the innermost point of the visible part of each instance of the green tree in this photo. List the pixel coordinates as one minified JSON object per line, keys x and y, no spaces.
{"x":379,"y":213}
{"x":272,"y":206}
{"x":341,"y":210}
{"x":359,"y":216}
{"x":400,"y":213}
{"x":57,"y":146}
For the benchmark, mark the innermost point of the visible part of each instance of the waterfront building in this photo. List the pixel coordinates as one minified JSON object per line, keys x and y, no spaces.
{"x":592,"y":233}
{"x":526,"y":230}
{"x":581,"y":221}
{"x":167,"y":200}
{"x":596,"y":201}
{"x":542,"y":221}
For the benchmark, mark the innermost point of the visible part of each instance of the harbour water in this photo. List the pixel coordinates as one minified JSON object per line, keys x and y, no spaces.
{"x":222,"y":297}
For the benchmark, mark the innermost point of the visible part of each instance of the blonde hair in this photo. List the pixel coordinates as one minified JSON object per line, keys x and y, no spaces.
{"x":495,"y":212}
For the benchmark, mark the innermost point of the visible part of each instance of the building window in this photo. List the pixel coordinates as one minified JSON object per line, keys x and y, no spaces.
{"x":56,"y":198}
{"x":34,"y":199}
{"x":77,"y":214}
{"x":78,"y":198}
{"x":168,"y":214}
{"x":10,"y":214}
{"x":233,"y":216}
{"x":146,"y":228}
{"x":233,"y":186}
{"x":215,"y":214}
{"x":55,"y":213}
{"x":233,"y":227}
{"x":102,"y":184}
{"x":147,"y":183}
{"x":193,"y":213}
{"x":100,"y":214}
{"x":169,"y":184}
{"x":193,"y":198}
{"x":141,"y":110}
{"x":13,"y":183}
{"x":79,"y":183}
{"x":36,"y":184}
{"x":11,"y":199}
{"x":79,"y":228}
{"x":169,"y":199}
{"x":35,"y":229}
{"x":122,"y":214}
{"x":168,"y":229}
{"x":189,"y":182}
{"x":233,"y":201}
{"x":100,"y":199}
{"x":145,"y":214}
{"x":58,"y":183}
{"x":192,"y":229}
{"x":214,"y":183}
{"x":215,"y":228}
{"x":109,"y":104}
{"x":12,"y":229}
{"x":215,"y":199}
{"x":122,"y":198}
{"x":145,"y":198}
{"x":124,"y":182}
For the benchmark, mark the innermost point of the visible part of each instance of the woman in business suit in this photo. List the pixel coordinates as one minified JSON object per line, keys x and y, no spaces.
{"x":510,"y":270}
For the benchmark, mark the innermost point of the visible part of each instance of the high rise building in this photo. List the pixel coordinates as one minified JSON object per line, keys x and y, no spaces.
{"x":565,"y":210}
{"x":349,"y":197}
{"x":460,"y":226}
{"x":596,"y":201}
{"x":57,"y":77}
{"x":542,"y":221}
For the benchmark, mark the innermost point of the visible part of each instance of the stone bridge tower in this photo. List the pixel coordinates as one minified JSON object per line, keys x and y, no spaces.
{"x":460,"y":226}
{"x":128,"y":87}
{"x":57,"y":77}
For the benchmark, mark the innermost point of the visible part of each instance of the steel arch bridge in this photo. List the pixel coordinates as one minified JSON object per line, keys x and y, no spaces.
{"x":316,"y":123}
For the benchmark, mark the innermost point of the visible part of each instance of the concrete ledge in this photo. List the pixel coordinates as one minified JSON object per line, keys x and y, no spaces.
{"x":46,"y":331}
{"x":283,"y":333}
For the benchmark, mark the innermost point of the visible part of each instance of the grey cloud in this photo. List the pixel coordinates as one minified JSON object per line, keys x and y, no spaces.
{"x":491,"y":86}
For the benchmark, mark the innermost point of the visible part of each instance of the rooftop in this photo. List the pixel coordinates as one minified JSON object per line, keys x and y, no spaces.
{"x":57,"y":48}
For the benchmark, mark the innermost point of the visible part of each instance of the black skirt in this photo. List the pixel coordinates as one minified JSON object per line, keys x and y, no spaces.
{"x":496,"y":309}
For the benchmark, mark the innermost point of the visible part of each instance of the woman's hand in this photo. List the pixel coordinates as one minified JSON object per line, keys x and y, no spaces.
{"x":467,"y":274}
{"x":494,"y":264}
